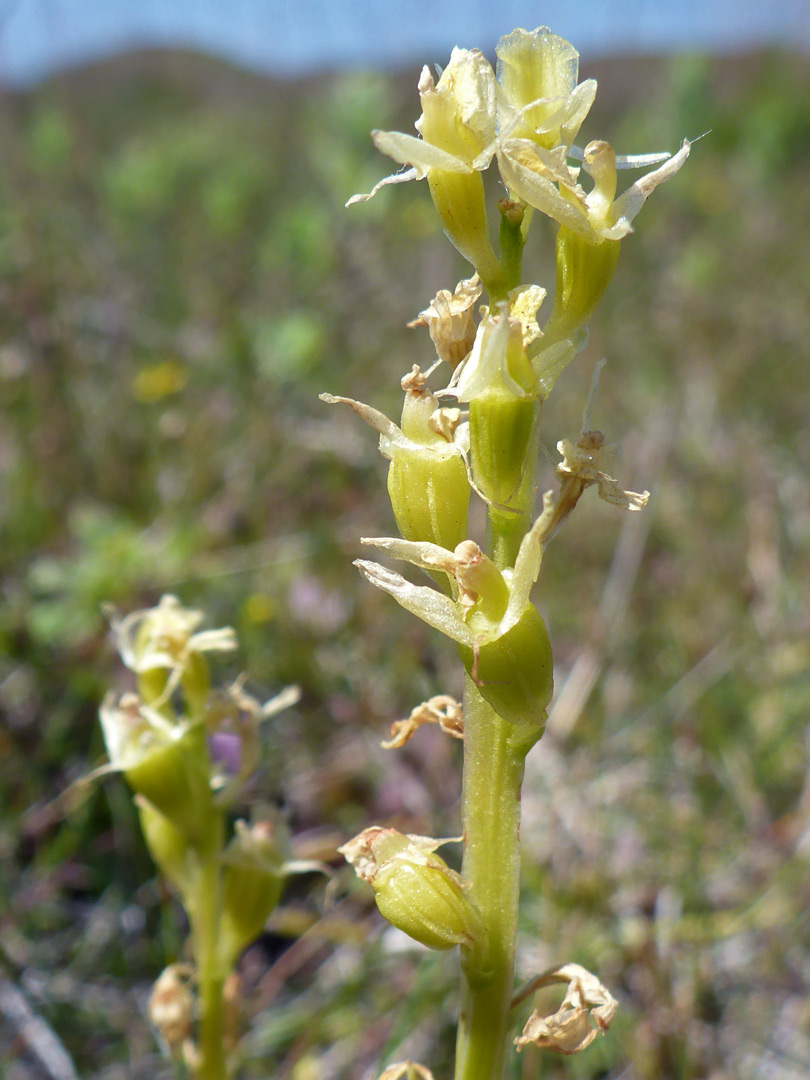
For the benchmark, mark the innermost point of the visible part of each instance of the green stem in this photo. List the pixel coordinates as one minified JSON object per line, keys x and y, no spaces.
{"x":510,"y":242}
{"x":493,"y":773}
{"x":205,"y":919}
{"x":507,"y":531}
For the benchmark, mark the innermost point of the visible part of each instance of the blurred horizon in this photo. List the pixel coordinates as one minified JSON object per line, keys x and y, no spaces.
{"x":40,"y":38}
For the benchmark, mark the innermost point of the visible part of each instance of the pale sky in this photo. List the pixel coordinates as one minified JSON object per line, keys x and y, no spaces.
{"x":286,"y":37}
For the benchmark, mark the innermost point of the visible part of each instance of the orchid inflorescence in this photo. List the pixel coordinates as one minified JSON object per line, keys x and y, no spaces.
{"x":188,"y":752}
{"x":479,"y":431}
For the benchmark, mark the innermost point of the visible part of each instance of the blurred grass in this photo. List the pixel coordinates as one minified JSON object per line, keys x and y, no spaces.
{"x":178,"y":281}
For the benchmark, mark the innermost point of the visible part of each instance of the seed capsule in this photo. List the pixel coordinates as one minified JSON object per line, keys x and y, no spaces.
{"x":415,"y":889}
{"x":514,"y":672}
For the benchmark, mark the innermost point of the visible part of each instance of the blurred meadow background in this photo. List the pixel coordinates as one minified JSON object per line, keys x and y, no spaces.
{"x":178,"y":282}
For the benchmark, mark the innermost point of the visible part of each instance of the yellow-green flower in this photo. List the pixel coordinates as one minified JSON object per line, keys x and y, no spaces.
{"x":544,"y":179}
{"x":457,"y":129}
{"x":501,"y":637}
{"x":457,"y":125}
{"x":539,"y":98}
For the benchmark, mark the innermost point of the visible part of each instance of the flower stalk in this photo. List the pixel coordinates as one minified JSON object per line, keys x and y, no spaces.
{"x":493,"y":774}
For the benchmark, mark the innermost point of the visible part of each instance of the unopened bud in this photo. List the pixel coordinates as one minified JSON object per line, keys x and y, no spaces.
{"x":415,"y":889}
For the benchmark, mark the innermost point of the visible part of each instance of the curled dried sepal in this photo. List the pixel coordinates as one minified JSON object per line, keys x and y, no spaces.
{"x":586,"y":1011}
{"x":441,"y":709}
{"x":588,"y":461}
{"x":406,"y":1070}
{"x":592,"y":461}
{"x":415,"y":889}
{"x":449,"y":320}
{"x":171,"y":1008}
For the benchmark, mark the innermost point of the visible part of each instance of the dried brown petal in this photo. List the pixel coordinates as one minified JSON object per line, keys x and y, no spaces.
{"x":586,"y":1011}
{"x":171,"y":1006}
{"x":406,"y":1070}
{"x":442,"y":710}
{"x":449,"y":320}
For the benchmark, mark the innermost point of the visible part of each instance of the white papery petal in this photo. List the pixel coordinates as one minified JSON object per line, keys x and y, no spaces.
{"x":394,"y":178}
{"x":631,"y":201}
{"x":410,"y":150}
{"x":474,"y":90}
{"x":524,"y":575}
{"x":486,"y":364}
{"x":432,"y":607}
{"x":549,"y":363}
{"x":416,"y":552}
{"x":528,"y":174}
{"x":579,"y":105}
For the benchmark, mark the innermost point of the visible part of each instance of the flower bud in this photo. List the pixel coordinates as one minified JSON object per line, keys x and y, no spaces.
{"x":415,"y":889}
{"x":514,"y":672}
{"x":252,"y":882}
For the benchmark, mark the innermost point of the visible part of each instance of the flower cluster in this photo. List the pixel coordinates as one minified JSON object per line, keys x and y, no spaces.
{"x":480,"y":433}
{"x":526,"y":117}
{"x":187,"y":752}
